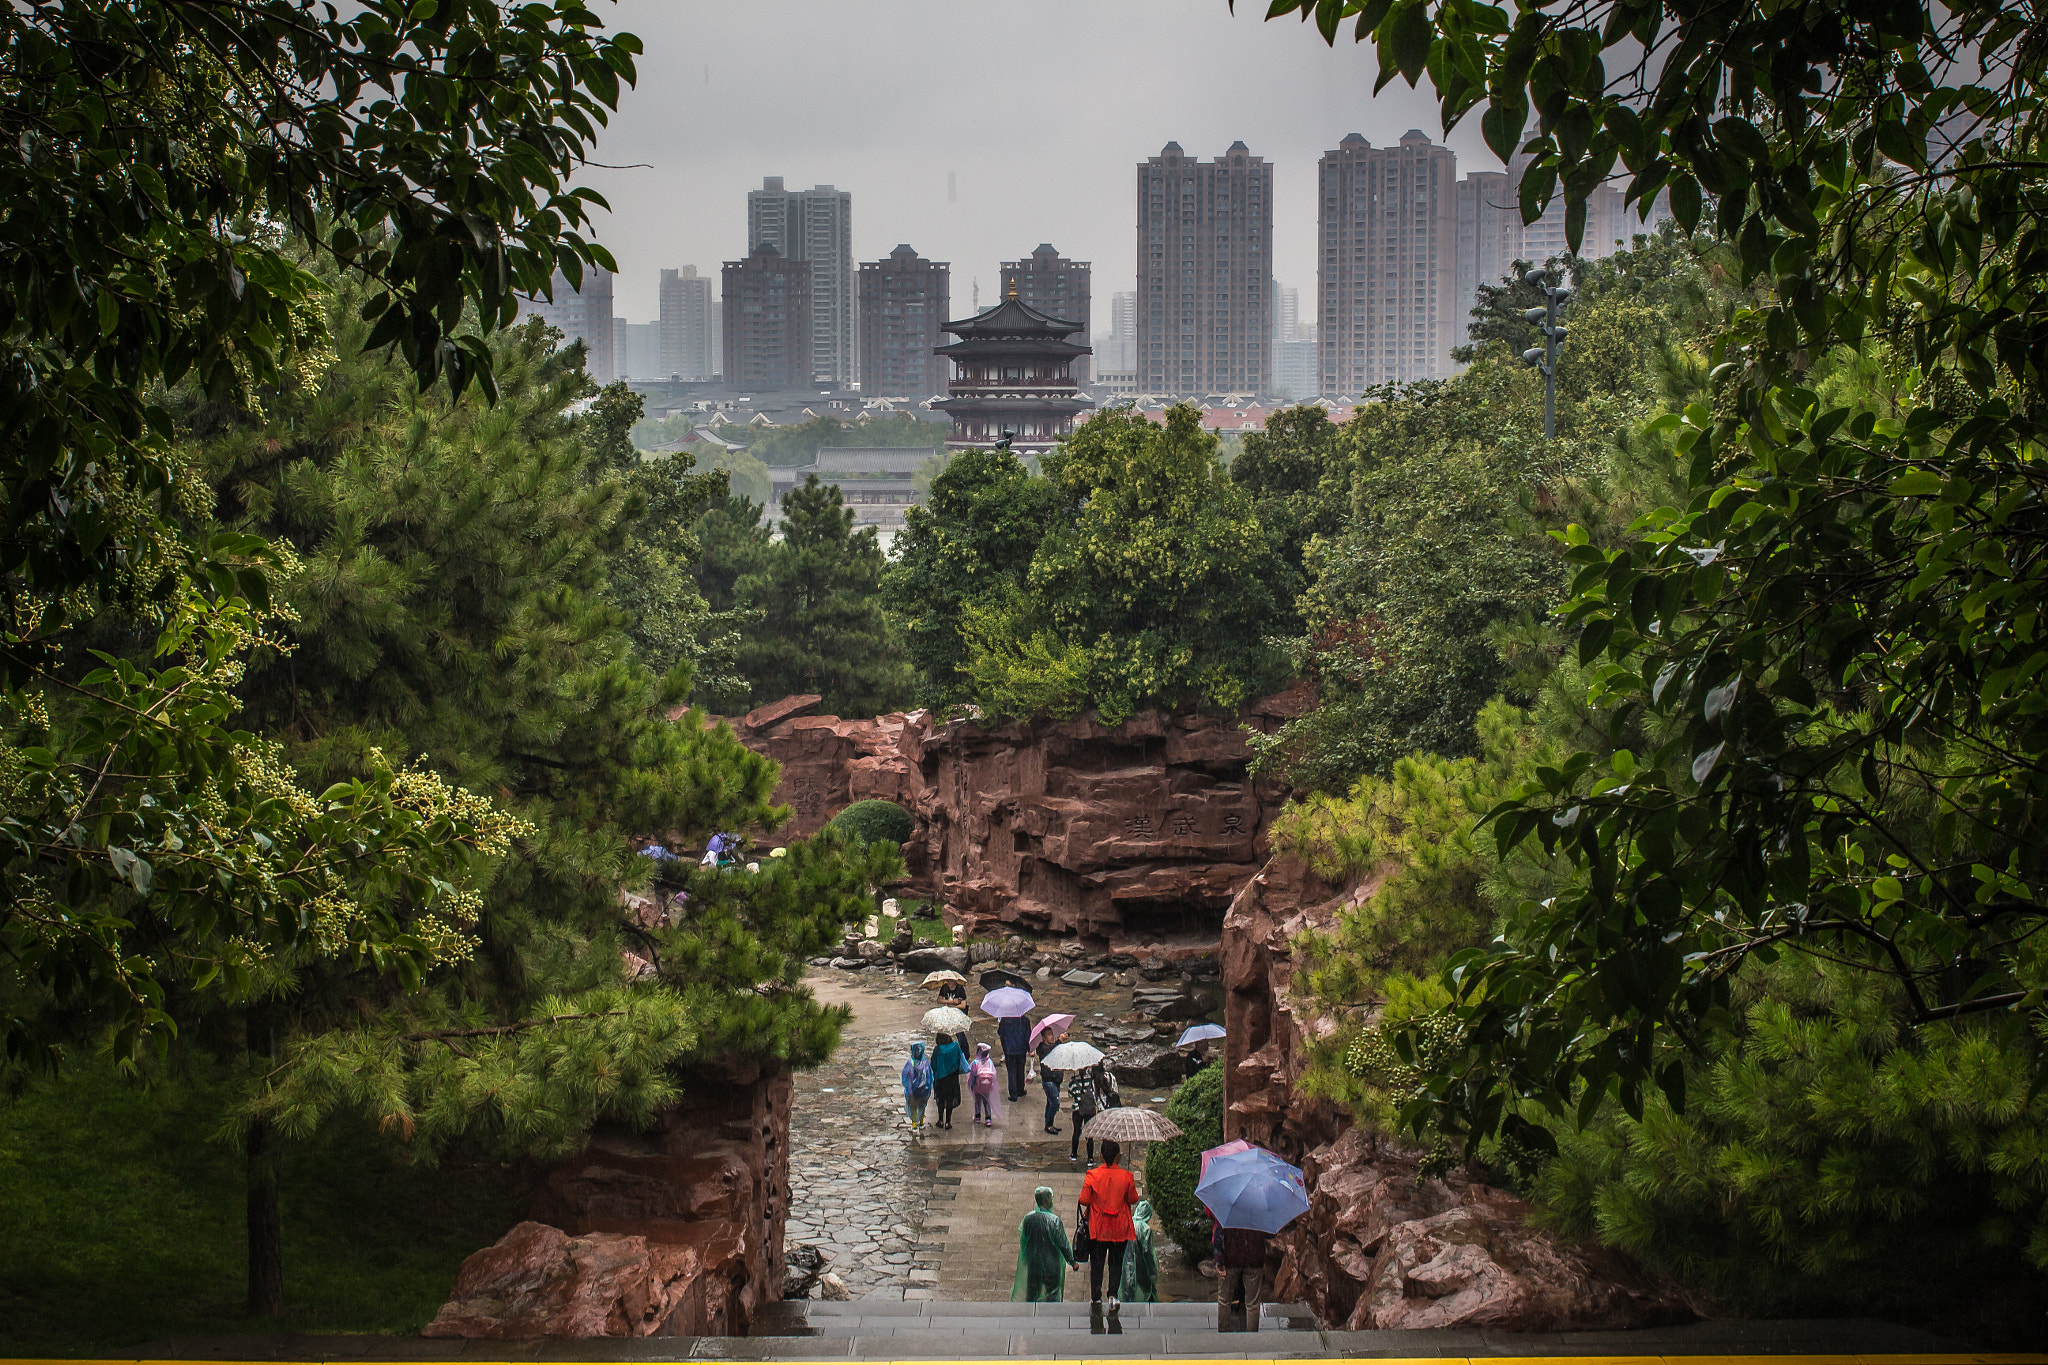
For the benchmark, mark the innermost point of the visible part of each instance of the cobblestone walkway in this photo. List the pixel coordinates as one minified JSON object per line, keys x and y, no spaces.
{"x":861,"y":1187}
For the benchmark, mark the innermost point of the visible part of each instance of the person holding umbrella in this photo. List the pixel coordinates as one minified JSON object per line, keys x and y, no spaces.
{"x":1045,"y":1037}
{"x":1012,"y":1010}
{"x":1107,"y":1197}
{"x":1251,"y":1194}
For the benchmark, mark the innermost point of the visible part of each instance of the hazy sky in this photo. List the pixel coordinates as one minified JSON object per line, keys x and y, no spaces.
{"x":1039,"y":110}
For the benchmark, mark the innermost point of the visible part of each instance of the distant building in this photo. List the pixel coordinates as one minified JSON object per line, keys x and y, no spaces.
{"x":1012,"y":372}
{"x":903,"y":305}
{"x":814,"y":226}
{"x":1117,"y":349}
{"x":1112,"y":386}
{"x":638,"y":349}
{"x":1489,"y":234}
{"x":689,"y":326}
{"x":1205,"y":260}
{"x":878,"y":482}
{"x":768,"y":331}
{"x":1057,"y":287}
{"x":1386,"y":286}
{"x":583,"y":315}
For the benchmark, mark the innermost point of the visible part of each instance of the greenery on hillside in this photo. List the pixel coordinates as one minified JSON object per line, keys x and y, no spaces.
{"x":1173,"y":1167}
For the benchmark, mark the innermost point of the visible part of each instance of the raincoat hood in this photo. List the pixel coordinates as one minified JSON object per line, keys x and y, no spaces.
{"x":1043,"y":1194}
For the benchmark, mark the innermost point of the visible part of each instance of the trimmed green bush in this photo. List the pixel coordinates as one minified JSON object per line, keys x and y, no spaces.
{"x":1172,"y":1168}
{"x":876,"y":822}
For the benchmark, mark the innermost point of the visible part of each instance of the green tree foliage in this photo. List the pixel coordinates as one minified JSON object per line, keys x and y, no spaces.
{"x":875,"y":822}
{"x":973,"y":539}
{"x":822,"y":629}
{"x":1826,"y":640}
{"x":1174,"y":1167}
{"x":1298,"y":476}
{"x":153,"y":156}
{"x":781,"y":447}
{"x":455,"y":606}
{"x":1153,"y":584}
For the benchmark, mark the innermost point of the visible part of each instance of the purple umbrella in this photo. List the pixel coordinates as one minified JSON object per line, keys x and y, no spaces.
{"x":1007,"y":1003}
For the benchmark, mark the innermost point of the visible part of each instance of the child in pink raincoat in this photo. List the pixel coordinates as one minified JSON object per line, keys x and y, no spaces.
{"x":981,"y":1082}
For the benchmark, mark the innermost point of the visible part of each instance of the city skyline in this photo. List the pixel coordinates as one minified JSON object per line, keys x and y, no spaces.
{"x":957,"y":161}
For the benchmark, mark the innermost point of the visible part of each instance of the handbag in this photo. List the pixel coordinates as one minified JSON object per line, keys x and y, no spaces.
{"x":1081,"y":1237}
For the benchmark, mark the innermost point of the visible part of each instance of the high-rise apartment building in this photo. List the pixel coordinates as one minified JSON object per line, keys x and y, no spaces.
{"x":1056,"y":287}
{"x":1122,"y":354}
{"x":1387,"y":279}
{"x":1489,"y":235}
{"x":814,"y":226}
{"x":689,"y":325}
{"x":768,"y":316}
{"x":903,"y":302}
{"x":583,"y":315}
{"x":636,"y":348}
{"x":1205,"y":262}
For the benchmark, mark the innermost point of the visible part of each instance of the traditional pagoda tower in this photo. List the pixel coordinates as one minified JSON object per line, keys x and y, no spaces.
{"x":1012,"y":374}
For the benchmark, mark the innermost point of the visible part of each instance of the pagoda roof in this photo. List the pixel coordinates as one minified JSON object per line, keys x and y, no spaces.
{"x":1012,"y":318}
{"x":1039,"y":344}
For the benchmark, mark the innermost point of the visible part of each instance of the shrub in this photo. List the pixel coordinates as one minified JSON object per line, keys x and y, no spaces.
{"x":1172,"y":1168}
{"x":876,"y":822}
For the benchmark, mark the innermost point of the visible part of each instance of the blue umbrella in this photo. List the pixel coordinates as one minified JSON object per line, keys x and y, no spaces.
{"x":1254,"y":1190}
{"x":1199,"y":1033}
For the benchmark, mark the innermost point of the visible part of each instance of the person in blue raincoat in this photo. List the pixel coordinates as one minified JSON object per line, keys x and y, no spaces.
{"x":917,"y":1087}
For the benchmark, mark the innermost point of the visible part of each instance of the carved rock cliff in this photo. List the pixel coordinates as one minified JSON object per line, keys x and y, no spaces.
{"x":1380,"y":1246}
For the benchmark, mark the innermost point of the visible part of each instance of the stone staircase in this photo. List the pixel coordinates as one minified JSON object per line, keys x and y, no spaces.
{"x":874,"y":1329}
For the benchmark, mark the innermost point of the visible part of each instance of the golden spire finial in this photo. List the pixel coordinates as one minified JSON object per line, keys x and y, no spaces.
{"x":1013,"y":287}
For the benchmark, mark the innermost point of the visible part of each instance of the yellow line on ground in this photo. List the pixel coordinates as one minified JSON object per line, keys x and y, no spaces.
{"x":1962,"y":1358}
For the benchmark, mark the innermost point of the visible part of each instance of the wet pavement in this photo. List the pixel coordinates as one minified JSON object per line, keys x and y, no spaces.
{"x":928,"y":1216}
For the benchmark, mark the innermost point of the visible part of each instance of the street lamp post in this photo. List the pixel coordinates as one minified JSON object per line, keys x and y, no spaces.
{"x":1544,"y":357}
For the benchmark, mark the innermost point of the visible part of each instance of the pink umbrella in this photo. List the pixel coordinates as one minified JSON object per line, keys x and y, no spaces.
{"x":1051,"y":1021}
{"x":1234,"y":1145}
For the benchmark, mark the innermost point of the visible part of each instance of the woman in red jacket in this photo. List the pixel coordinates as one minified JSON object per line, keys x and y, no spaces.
{"x":1108,"y":1194}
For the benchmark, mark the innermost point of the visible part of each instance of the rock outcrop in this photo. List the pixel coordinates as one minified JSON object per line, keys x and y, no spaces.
{"x":1380,"y":1247}
{"x":674,"y":1231}
{"x":1116,"y":832}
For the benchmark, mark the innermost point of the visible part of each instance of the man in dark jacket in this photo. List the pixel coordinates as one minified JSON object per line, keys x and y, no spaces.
{"x":1015,"y":1035}
{"x":1240,"y":1276}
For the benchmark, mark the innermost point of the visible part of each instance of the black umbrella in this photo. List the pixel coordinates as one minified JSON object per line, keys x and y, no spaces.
{"x":999,"y":976}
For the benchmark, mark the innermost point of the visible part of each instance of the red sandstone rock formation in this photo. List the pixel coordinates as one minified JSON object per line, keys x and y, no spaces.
{"x":1380,"y":1248}
{"x":1119,"y":832}
{"x":677,"y":1231}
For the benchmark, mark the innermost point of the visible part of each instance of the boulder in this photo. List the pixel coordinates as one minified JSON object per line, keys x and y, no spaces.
{"x":1167,"y":1003}
{"x":538,"y":1281}
{"x":901,"y":942}
{"x":850,"y":964}
{"x":830,"y":1286}
{"x":935,"y":960}
{"x":1148,"y":1066}
{"x":869,"y":950}
{"x":978,"y":953}
{"x":1155,"y":969}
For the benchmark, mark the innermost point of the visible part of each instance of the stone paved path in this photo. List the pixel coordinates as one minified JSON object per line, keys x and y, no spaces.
{"x":863,"y":1188}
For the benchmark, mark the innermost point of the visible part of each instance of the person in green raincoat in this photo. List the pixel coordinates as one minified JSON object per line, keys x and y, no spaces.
{"x":1043,"y":1254}
{"x":1141,"y":1266}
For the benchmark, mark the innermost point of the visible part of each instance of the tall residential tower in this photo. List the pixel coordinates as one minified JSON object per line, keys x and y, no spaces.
{"x":1387,"y":281}
{"x":1205,"y":265}
{"x":689,"y":325}
{"x":584,"y":315}
{"x":1057,"y":287}
{"x":903,"y":300}
{"x":814,"y":226}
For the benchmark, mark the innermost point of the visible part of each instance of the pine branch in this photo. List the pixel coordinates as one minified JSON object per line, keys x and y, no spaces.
{"x":443,"y":1035}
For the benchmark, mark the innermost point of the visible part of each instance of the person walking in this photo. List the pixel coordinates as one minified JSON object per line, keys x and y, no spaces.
{"x":1108,"y":1195}
{"x":1240,"y":1255}
{"x":1049,"y":1079}
{"x":982,"y":1083}
{"x":917,"y":1087}
{"x":1141,"y":1262}
{"x":1082,"y":1099}
{"x":1043,"y":1253}
{"x":1014,"y":1034}
{"x":947,"y":1064}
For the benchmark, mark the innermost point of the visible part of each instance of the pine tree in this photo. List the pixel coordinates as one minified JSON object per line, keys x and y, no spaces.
{"x":455,"y":607}
{"x":973,"y":537}
{"x":823,"y":628}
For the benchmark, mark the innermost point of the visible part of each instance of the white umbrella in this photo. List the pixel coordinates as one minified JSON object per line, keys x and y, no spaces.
{"x":941,"y":975}
{"x":1008,"y":1003}
{"x":1199,"y":1033}
{"x":946,"y":1019}
{"x":1131,"y":1125}
{"x":1071,"y":1056}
